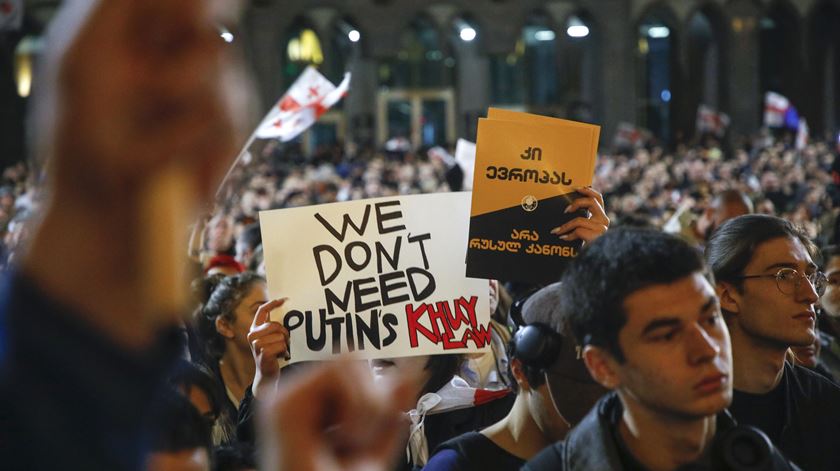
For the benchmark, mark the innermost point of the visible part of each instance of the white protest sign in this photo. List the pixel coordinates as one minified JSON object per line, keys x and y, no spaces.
{"x":382,"y":277}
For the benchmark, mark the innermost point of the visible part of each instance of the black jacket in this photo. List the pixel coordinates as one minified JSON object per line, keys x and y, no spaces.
{"x":592,"y":445}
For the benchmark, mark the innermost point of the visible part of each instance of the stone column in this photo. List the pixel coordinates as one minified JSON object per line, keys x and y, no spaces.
{"x":742,"y":64}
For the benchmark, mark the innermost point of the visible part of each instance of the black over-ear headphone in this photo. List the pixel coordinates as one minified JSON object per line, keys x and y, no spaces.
{"x":536,"y":345}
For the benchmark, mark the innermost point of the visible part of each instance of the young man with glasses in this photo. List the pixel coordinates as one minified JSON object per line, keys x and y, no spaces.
{"x":768,"y":285}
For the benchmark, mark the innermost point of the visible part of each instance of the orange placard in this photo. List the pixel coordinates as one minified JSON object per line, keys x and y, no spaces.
{"x":527,"y":169}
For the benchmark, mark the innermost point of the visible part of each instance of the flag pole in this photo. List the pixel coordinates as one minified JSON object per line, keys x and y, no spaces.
{"x":236,"y":162}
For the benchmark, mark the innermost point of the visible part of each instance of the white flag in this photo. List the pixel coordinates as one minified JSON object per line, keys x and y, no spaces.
{"x":711,"y":121}
{"x":11,"y":15}
{"x":802,"y":134}
{"x":775,"y":108}
{"x":310,"y":96}
{"x":629,"y":136}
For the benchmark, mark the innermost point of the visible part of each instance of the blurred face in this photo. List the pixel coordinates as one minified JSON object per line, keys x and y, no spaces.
{"x":763,"y":311}
{"x":727,"y":211}
{"x":219,"y":234}
{"x":243,"y":252}
{"x":494,"y":296}
{"x":808,"y":356}
{"x":677,"y":353}
{"x":412,"y":369}
{"x":830,"y":300}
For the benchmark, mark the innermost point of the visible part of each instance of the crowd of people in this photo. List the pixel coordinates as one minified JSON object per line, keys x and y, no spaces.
{"x":697,"y":329}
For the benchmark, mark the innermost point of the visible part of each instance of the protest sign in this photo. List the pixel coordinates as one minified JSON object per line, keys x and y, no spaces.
{"x":382,"y":277}
{"x":527,"y":168}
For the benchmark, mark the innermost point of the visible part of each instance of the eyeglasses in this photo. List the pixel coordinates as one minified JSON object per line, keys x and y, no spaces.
{"x":788,"y":280}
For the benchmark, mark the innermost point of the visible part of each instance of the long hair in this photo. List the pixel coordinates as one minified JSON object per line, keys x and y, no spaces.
{"x":219,"y":296}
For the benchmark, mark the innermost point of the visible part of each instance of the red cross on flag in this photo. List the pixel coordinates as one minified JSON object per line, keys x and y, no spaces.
{"x":628,"y":136}
{"x":310,"y":96}
{"x":11,"y":15}
{"x":775,"y":108}
{"x":711,"y":121}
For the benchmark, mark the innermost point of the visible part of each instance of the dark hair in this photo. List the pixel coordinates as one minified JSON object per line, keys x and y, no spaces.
{"x":732,"y":245}
{"x":617,"y":264}
{"x":187,"y":375}
{"x":220,"y":295}
{"x":443,"y":368}
{"x":256,"y":259}
{"x":251,"y":236}
{"x":177,"y":425}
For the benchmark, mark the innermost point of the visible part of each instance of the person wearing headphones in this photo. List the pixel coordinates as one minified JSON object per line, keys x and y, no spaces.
{"x":554,"y":392}
{"x":641,"y":304}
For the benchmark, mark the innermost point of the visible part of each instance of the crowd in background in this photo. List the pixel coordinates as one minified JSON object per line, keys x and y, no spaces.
{"x":644,"y":186}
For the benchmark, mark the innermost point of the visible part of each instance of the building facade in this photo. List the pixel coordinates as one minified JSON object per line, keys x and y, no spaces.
{"x":425,"y":71}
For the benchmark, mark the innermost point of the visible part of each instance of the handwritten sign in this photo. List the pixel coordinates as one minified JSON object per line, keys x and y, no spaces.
{"x":527,"y":168}
{"x":381,"y":277}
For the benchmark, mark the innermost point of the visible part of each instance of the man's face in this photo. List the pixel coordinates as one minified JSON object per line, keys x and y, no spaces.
{"x":763,"y":311}
{"x":678,"y":360}
{"x":830,"y":300}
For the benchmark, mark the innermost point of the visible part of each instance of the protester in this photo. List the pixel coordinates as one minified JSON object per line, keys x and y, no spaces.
{"x":768,"y":285}
{"x":181,"y":437}
{"x":86,"y":334}
{"x":446,"y":405}
{"x":830,"y":319}
{"x":246,"y":244}
{"x":809,"y":356}
{"x":201,"y":387}
{"x":554,"y":391}
{"x":641,"y":305}
{"x":223,"y":321}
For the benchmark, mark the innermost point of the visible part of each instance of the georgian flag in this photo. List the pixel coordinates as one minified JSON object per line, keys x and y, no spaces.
{"x":630,"y":136}
{"x":711,"y":121}
{"x":310,"y":96}
{"x":779,"y":112}
{"x":11,"y":15}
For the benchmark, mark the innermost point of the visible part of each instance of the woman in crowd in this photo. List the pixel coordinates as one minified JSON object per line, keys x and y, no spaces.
{"x":223,"y":322}
{"x":446,"y":406}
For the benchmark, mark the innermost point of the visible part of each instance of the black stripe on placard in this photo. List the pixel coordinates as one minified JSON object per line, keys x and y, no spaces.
{"x":516,"y":244}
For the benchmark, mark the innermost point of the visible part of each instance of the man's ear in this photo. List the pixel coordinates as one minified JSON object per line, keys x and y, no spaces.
{"x":223,"y":328}
{"x":602,"y":366}
{"x":728,"y":296}
{"x":517,"y":370}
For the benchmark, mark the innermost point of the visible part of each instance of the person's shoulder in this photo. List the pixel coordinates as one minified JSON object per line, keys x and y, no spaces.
{"x":813,"y":384}
{"x":473,"y":450}
{"x":550,"y":458}
{"x":446,"y":459}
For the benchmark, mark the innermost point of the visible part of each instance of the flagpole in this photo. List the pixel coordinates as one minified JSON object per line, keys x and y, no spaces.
{"x":236,"y":162}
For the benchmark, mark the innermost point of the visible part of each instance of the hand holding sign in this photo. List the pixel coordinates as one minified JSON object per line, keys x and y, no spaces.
{"x":586,"y":228}
{"x":269,"y":343}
